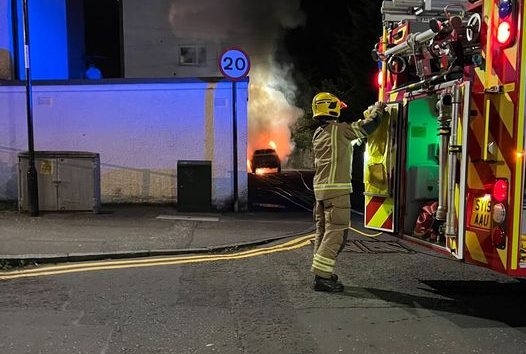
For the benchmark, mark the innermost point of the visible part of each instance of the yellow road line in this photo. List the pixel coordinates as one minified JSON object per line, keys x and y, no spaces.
{"x":93,"y":266}
{"x":163,"y":259}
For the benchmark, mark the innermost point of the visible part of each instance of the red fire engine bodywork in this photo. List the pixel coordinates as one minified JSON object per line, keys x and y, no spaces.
{"x":493,"y":142}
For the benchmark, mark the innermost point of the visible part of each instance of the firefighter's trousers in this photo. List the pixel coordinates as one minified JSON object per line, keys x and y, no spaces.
{"x":332,"y":218}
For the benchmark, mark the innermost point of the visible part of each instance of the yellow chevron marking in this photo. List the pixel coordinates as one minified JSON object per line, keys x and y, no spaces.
{"x":478,"y":126}
{"x":518,"y":188}
{"x":503,"y":256}
{"x":474,"y":248}
{"x":511,"y":54}
{"x":506,"y":110}
{"x":502,"y":169}
{"x":474,"y":181}
{"x":382,"y":214}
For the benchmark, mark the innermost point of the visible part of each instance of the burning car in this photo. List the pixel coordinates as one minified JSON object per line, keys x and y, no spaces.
{"x":265,"y":161}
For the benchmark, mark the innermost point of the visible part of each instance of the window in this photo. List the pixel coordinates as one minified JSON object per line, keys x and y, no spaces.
{"x":66,"y":37}
{"x":192,"y":55}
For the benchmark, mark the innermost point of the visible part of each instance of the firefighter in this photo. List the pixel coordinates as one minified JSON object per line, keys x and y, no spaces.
{"x":332,"y":182}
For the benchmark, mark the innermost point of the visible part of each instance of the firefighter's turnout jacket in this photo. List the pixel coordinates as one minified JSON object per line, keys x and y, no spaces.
{"x":333,"y":153}
{"x":332,"y":185}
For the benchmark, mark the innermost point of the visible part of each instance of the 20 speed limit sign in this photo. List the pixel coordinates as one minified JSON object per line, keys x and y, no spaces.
{"x":234,"y":64}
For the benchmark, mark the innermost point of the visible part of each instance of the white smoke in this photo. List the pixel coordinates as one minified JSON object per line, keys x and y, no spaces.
{"x":255,"y":26}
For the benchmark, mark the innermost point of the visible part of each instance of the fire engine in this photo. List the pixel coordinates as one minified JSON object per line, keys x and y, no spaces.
{"x":451,"y":151}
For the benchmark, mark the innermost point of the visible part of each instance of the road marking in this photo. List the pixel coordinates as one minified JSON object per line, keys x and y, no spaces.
{"x":139,"y":263}
{"x":188,"y":218}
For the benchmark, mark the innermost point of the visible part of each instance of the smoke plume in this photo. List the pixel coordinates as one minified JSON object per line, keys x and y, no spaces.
{"x":255,"y":26}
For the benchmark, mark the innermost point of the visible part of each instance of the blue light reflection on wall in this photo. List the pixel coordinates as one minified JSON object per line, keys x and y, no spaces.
{"x":139,"y":129}
{"x":48,"y":39}
{"x":6,"y":33}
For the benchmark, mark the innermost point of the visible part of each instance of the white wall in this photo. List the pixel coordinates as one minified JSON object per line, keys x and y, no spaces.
{"x":140,"y":130}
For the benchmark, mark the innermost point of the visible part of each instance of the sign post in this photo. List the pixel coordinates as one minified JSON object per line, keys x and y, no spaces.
{"x":234,"y":64}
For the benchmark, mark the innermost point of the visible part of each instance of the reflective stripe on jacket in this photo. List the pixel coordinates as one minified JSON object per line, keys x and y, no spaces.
{"x":333,"y":153}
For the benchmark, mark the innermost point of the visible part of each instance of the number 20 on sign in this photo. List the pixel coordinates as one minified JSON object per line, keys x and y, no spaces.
{"x":234,"y":64}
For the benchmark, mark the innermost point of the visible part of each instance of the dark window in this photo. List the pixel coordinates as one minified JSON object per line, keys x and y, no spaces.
{"x":103,"y":23}
{"x":192,"y":55}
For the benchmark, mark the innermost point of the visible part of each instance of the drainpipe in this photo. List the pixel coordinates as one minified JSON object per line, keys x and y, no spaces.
{"x":444,"y":117}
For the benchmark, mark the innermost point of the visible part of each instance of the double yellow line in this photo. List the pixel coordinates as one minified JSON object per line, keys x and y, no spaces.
{"x":139,"y":263}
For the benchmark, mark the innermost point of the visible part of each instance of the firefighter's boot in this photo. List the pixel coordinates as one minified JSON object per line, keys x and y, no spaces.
{"x":331,"y":285}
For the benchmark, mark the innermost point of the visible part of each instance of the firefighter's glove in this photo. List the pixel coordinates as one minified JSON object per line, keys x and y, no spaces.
{"x":380,"y":105}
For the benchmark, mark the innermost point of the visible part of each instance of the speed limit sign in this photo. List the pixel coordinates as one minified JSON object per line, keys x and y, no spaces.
{"x":234,"y":64}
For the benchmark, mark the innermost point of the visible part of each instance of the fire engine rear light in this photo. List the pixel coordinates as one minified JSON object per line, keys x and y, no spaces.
{"x":498,"y":238}
{"x":504,"y":32}
{"x":499,"y":213}
{"x":500,"y":190}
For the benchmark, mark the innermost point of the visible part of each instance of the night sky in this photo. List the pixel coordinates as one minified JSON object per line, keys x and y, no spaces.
{"x":331,"y":52}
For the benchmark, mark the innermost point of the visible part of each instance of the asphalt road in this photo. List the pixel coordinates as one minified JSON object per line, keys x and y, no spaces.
{"x":396,"y":301}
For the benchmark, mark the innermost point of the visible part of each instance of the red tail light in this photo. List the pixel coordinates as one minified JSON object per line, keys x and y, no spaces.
{"x":500,"y":190}
{"x":498,"y":238}
{"x":507,"y":25}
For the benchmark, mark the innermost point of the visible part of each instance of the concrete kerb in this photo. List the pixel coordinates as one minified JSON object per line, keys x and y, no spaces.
{"x":10,"y":261}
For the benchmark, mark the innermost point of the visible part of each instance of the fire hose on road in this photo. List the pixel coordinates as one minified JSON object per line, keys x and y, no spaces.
{"x":279,"y":186}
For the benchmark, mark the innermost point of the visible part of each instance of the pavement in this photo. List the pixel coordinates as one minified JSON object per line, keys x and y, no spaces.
{"x":139,"y":231}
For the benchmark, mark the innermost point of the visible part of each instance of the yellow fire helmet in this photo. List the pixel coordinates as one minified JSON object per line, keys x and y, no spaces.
{"x":326,"y":104}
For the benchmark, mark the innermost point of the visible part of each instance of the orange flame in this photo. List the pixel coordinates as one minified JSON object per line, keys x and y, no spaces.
{"x":273,"y":145}
{"x":265,"y":170}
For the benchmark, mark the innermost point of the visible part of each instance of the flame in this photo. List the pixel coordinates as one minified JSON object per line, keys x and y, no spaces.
{"x":272,"y":89}
{"x":249,"y":166}
{"x":265,"y":170}
{"x":270,"y":113}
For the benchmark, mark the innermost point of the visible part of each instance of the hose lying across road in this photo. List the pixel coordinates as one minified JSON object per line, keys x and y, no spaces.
{"x":287,"y":187}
